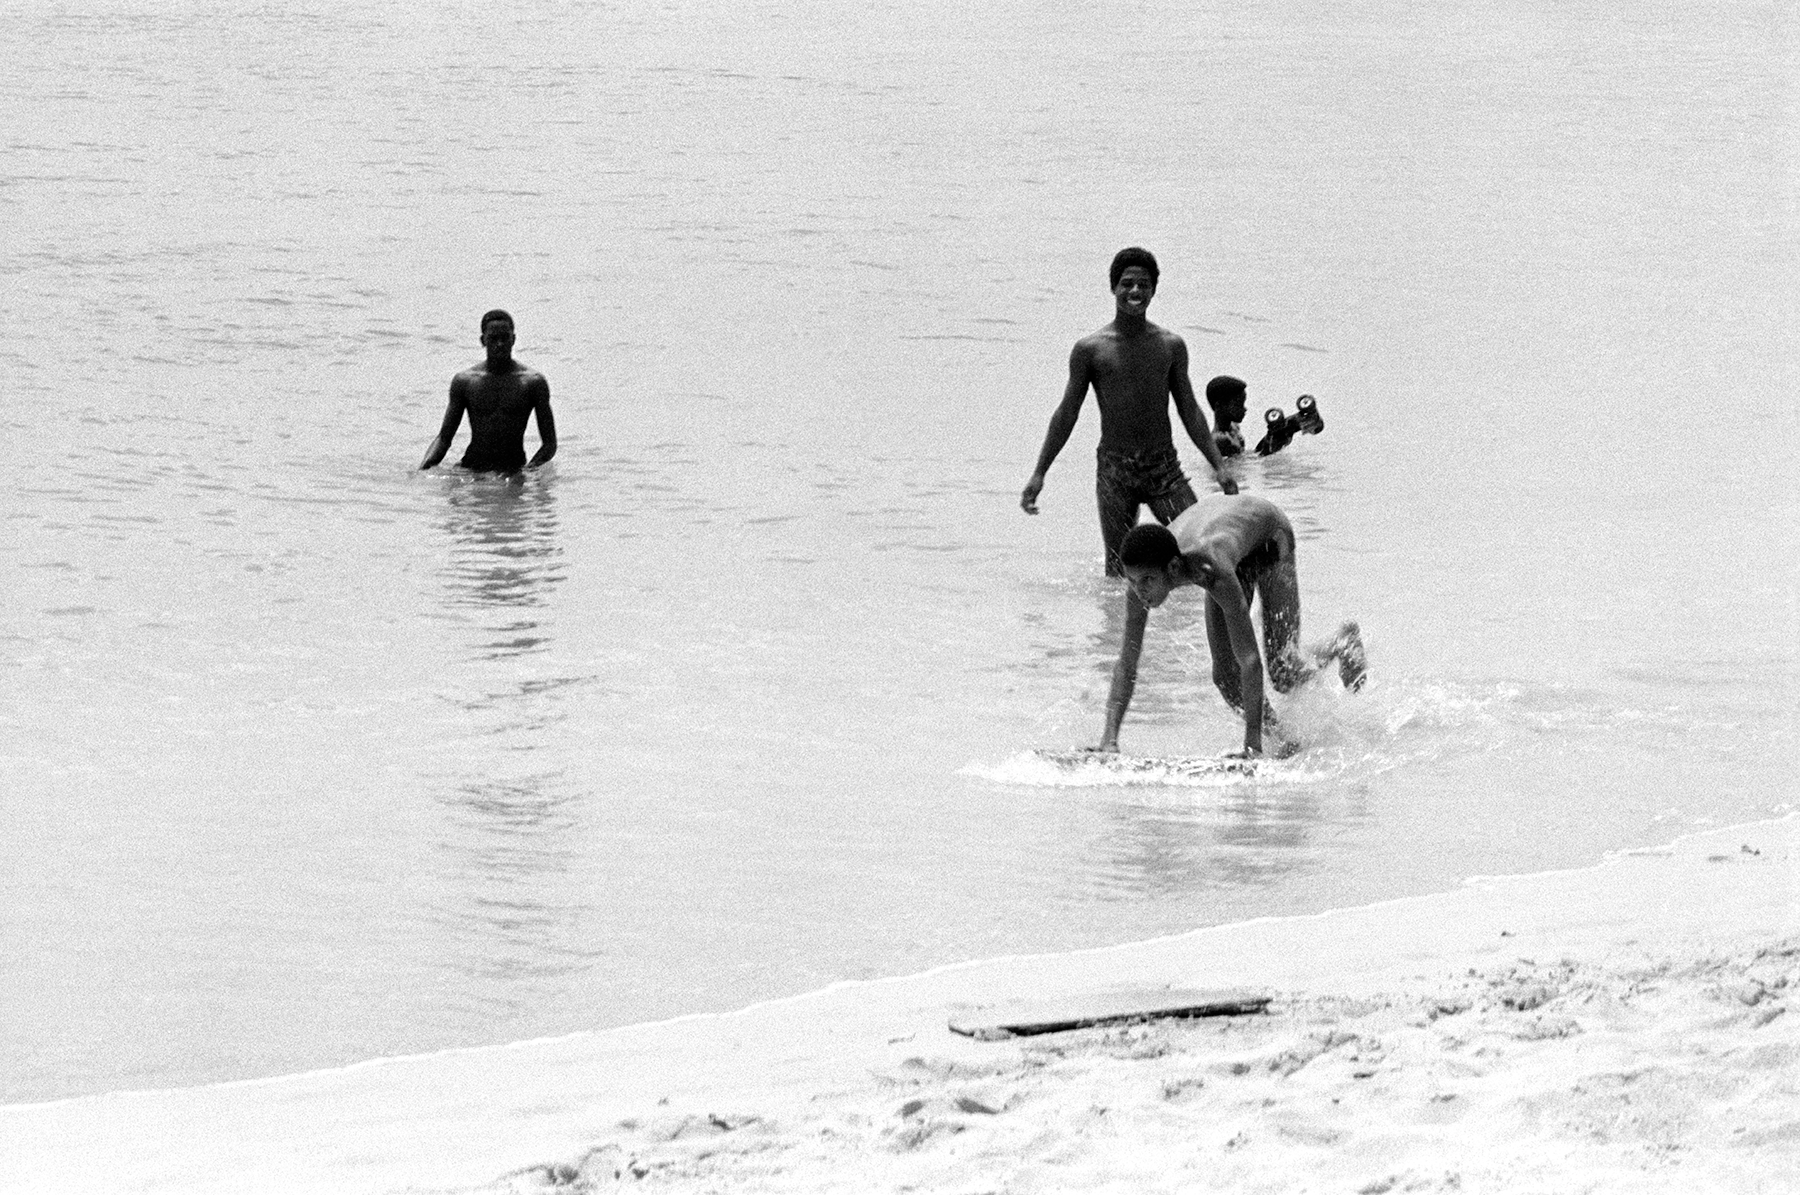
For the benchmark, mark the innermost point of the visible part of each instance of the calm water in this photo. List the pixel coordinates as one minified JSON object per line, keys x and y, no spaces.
{"x":309,"y":757}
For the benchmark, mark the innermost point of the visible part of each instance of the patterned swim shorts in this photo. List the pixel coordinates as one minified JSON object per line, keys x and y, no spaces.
{"x":1126,"y":481}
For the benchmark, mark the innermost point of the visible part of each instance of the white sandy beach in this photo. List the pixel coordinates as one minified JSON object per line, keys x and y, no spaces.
{"x":1620,"y":1028}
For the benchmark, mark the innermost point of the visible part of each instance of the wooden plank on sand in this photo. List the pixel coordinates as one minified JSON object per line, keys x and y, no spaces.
{"x":1024,"y":1018}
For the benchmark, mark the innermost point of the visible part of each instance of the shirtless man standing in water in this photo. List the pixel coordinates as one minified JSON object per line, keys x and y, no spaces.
{"x":1235,"y":547}
{"x":1135,"y":368}
{"x":500,"y":395}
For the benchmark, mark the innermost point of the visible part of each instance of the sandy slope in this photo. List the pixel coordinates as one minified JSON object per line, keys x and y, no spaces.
{"x":1621,"y":1028}
{"x":1554,"y":1076}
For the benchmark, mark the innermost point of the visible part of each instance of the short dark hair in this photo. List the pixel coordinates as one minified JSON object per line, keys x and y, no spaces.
{"x":1148,"y":545}
{"x":1124,"y":259}
{"x":1223,"y":389}
{"x":495,"y":314}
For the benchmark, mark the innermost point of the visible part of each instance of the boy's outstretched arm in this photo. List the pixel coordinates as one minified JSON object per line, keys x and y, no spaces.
{"x":1062,"y":422}
{"x":452,"y":420}
{"x":1181,"y":388}
{"x":1124,"y":675}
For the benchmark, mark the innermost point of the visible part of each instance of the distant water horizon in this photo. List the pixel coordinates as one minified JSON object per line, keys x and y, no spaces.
{"x":314,"y":758}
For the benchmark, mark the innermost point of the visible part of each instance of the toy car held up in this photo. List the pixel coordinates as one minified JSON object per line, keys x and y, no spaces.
{"x":1282,"y":427}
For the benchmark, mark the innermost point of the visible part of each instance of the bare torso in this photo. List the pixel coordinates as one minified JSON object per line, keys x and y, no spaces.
{"x":1136,"y":371}
{"x":1225,"y":528}
{"x":1130,"y":374}
{"x":500,"y":404}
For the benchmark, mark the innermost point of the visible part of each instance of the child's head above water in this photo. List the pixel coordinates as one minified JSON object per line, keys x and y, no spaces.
{"x":1148,"y":545}
{"x":1226,"y":396}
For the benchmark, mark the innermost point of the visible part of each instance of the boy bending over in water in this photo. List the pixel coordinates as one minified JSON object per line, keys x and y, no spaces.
{"x":1235,"y":547}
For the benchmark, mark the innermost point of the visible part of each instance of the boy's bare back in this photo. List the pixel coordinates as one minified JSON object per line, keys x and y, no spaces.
{"x":1225,"y":528}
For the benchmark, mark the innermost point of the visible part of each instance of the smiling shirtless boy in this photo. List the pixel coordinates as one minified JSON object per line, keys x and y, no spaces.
{"x":1135,"y":368}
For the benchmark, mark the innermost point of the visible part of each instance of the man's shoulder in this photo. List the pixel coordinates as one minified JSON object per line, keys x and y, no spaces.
{"x":1199,"y":513}
{"x":1246,"y":508}
{"x":1231,"y":514}
{"x":1098,"y":339}
{"x":520,"y":373}
{"x":1167,"y":338}
{"x":1109,"y":338}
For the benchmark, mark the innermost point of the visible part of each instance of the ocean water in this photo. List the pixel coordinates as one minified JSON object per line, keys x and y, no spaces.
{"x":308,"y":757}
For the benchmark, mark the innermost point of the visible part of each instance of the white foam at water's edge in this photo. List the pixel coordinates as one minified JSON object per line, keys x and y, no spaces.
{"x":1402,"y":719}
{"x":1035,"y":769}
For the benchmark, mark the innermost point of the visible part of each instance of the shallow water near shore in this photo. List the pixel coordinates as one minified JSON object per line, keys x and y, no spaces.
{"x":312,"y":758}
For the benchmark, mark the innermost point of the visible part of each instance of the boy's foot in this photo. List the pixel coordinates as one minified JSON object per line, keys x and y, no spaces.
{"x":1353,"y":663}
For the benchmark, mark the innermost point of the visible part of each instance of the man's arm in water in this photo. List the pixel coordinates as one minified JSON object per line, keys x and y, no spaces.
{"x":1229,"y":595}
{"x":452,"y":420}
{"x":1081,"y":369}
{"x":546,"y":423}
{"x":1124,"y":675}
{"x":1193,"y":418}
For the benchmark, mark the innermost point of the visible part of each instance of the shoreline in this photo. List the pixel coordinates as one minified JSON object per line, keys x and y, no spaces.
{"x":818,"y":1091}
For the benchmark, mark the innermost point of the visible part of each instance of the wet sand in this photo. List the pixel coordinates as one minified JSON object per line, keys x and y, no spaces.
{"x":1626,"y":1027}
